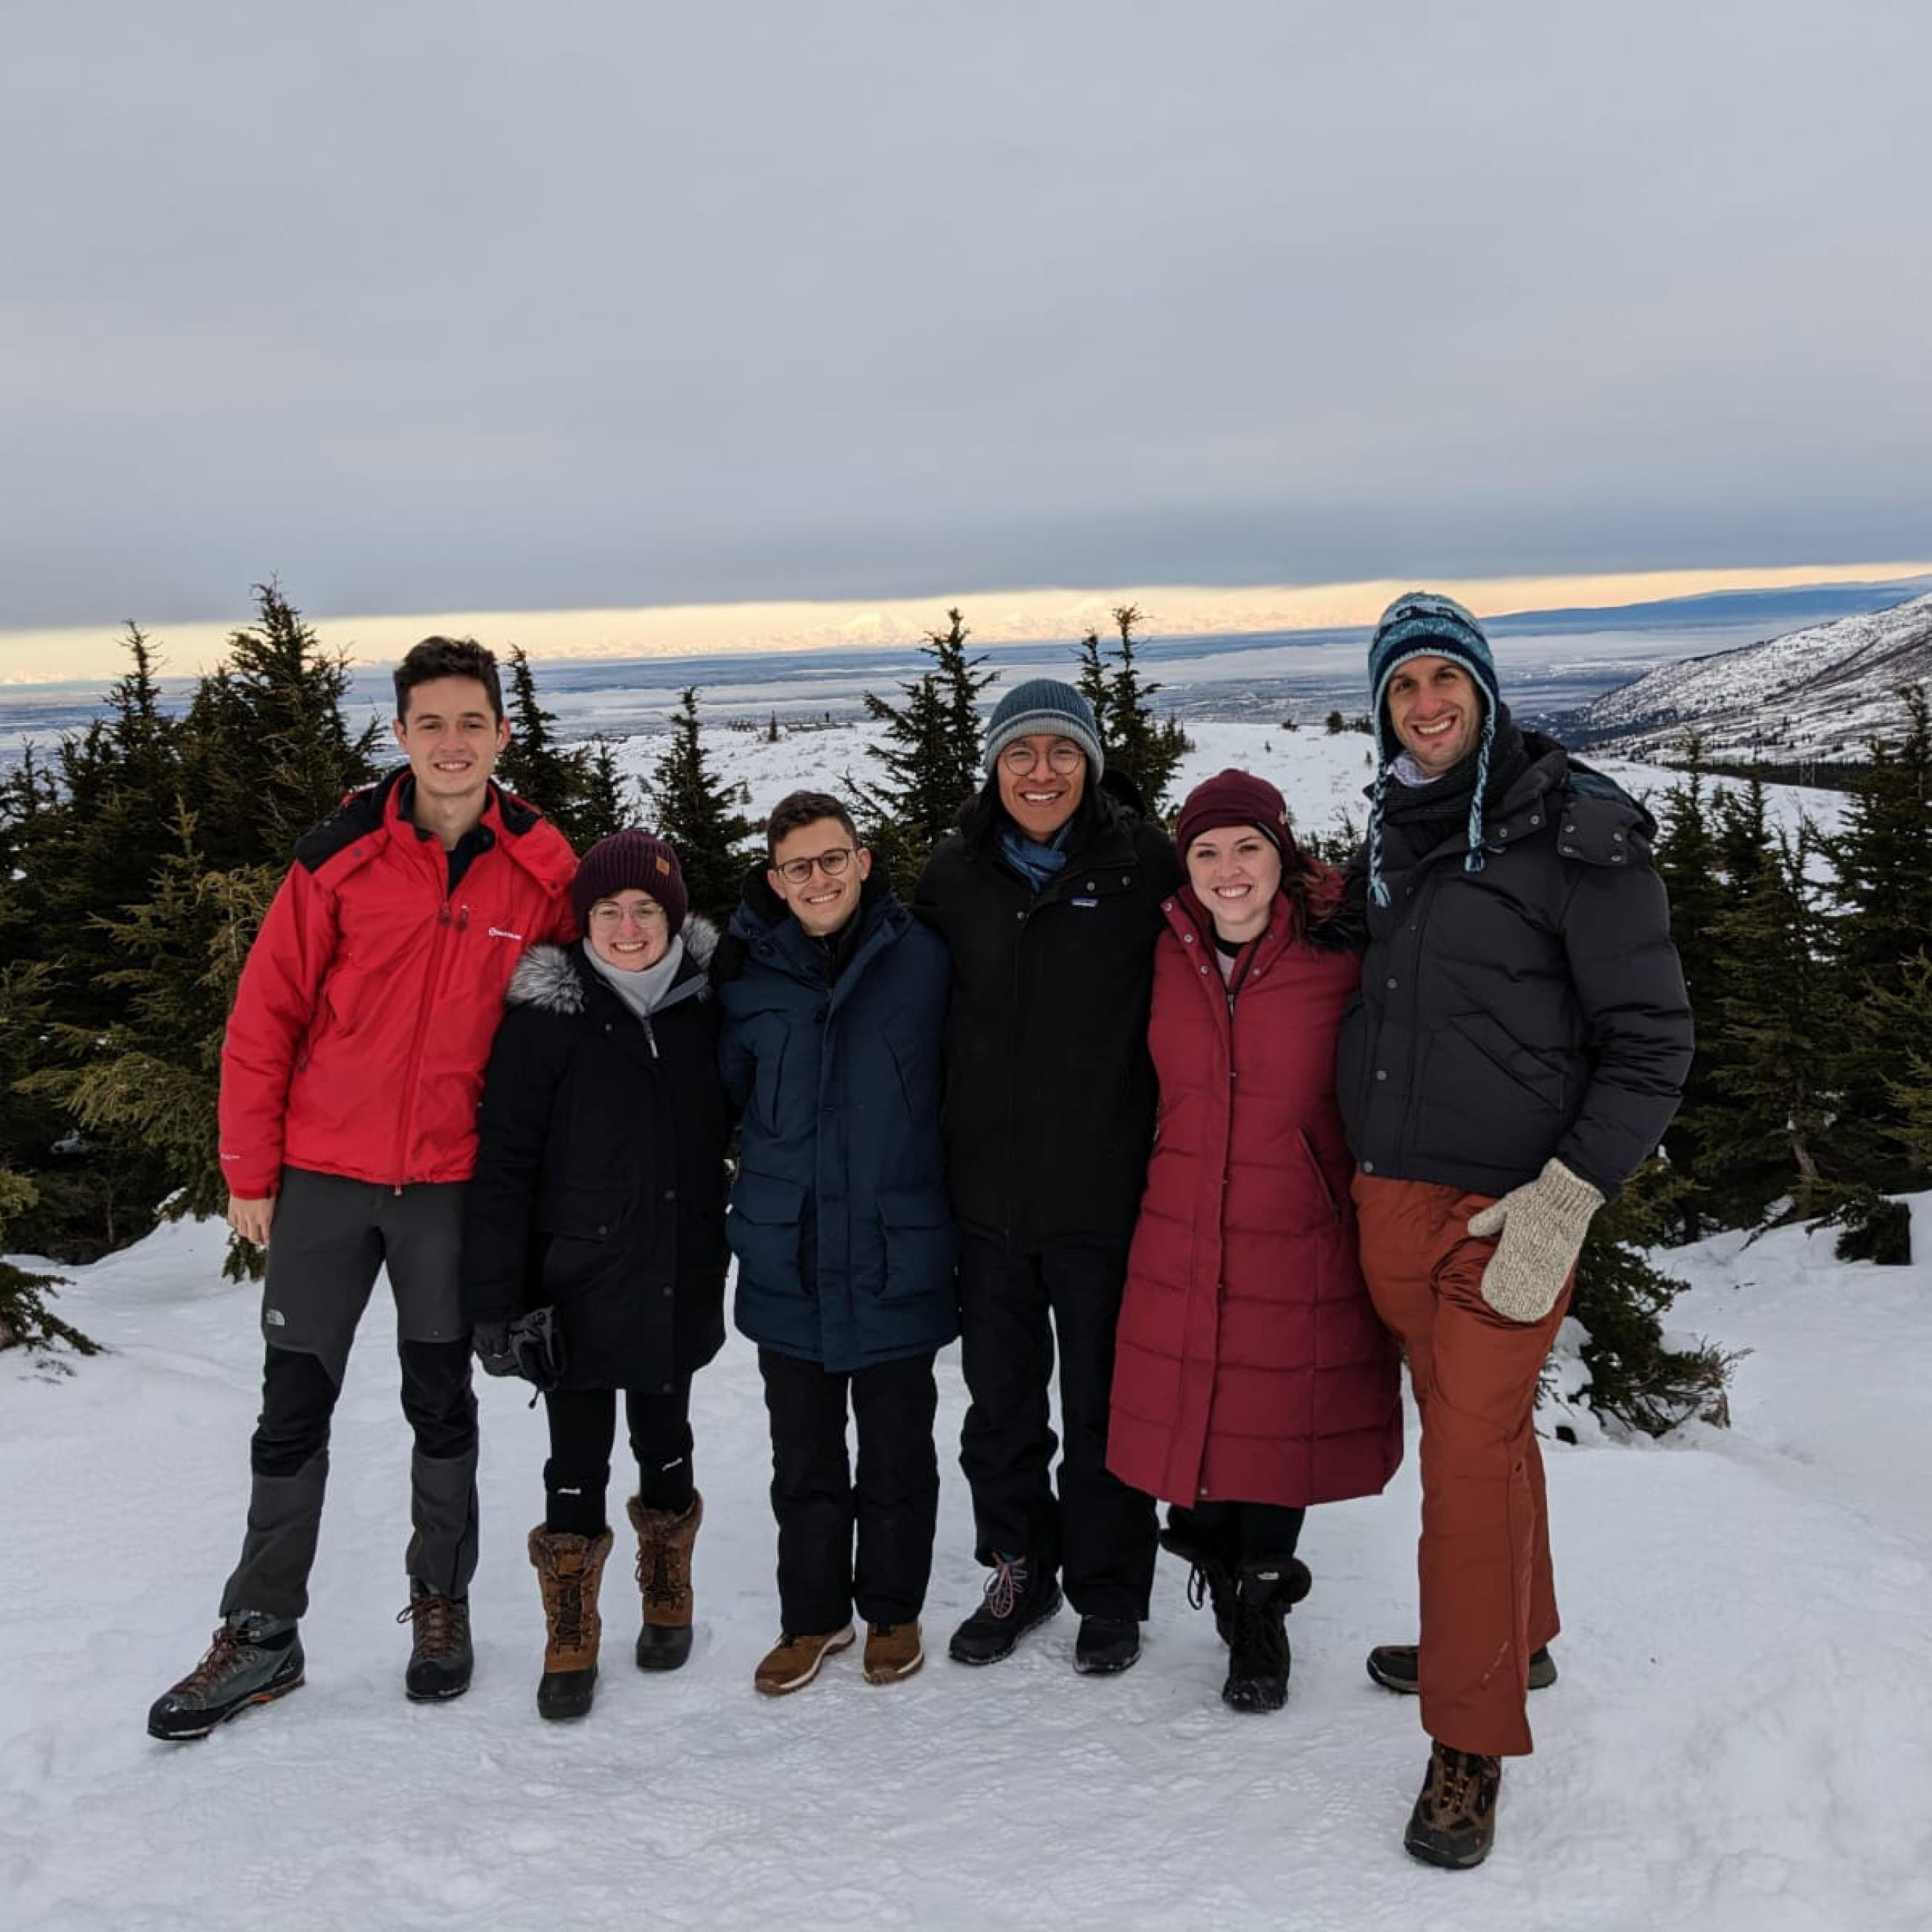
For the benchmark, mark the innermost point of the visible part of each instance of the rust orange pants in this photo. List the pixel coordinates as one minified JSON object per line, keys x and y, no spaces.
{"x":1488,"y":1598}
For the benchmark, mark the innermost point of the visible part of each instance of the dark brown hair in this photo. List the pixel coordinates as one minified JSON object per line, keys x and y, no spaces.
{"x":805,"y":808}
{"x":447,"y":657}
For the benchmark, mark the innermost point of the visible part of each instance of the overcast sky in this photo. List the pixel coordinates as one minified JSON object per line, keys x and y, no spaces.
{"x":430,"y":306}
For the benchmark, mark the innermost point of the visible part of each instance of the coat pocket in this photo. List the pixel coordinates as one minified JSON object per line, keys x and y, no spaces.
{"x":922,"y":1243}
{"x":765,"y":1226}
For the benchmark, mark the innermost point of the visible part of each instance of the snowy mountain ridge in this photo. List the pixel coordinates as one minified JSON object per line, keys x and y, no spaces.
{"x":1818,"y":693}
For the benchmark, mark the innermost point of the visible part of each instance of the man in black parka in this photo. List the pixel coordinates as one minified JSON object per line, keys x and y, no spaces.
{"x":1048,"y":898}
{"x":1518,"y":1047}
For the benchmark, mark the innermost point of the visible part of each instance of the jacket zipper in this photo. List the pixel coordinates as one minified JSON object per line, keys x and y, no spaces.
{"x":445,"y":920}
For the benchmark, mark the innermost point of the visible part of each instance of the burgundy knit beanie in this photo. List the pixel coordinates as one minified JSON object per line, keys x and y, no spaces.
{"x":627,"y":861}
{"x":1235,"y":798}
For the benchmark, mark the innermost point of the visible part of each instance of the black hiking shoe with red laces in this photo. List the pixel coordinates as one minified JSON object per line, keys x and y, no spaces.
{"x":1454,"y":1822}
{"x":1017,"y":1598}
{"x":251,"y":1661}
{"x":440,"y":1656}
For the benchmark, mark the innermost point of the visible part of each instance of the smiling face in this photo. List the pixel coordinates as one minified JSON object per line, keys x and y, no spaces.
{"x":629,"y":931}
{"x":1235,"y":873}
{"x":1042,"y":778}
{"x":1436,"y":709}
{"x":451,"y":736}
{"x":817,"y":873}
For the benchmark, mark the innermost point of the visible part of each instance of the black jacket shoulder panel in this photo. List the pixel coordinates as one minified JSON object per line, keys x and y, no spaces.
{"x":360,"y":813}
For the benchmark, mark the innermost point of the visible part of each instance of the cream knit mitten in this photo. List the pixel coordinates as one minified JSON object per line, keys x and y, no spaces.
{"x":1538,"y":1229}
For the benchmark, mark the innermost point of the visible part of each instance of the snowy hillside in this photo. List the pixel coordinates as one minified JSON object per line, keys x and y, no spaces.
{"x":1815,"y":694}
{"x":1741,"y":1740}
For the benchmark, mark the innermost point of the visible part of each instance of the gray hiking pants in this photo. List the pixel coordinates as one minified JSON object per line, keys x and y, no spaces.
{"x":330,"y":1238}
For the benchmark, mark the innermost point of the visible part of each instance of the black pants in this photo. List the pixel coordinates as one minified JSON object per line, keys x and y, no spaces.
{"x":1099,"y":1534}
{"x":583,"y":1427}
{"x":894,"y":1506}
{"x":1245,"y":1531}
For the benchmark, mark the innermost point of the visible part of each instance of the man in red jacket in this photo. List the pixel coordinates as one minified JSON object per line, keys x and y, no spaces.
{"x":350,"y":1073}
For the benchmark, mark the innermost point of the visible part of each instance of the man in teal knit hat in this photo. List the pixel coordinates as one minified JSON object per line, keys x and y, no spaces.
{"x":1048,"y":898}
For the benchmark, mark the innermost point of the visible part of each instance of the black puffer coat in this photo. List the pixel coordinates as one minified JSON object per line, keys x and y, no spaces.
{"x":600,"y":1171}
{"x":1534,"y":1008}
{"x":1050,"y":1092}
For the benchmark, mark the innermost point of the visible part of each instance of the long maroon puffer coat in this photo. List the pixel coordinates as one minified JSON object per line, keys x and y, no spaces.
{"x":1251,"y":1365}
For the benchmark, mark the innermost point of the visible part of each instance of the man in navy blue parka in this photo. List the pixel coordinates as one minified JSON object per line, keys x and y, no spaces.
{"x":833,"y":1000}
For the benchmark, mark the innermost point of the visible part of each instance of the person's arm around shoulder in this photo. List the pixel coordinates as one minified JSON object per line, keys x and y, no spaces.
{"x":528,"y":1060}
{"x":274,"y":1010}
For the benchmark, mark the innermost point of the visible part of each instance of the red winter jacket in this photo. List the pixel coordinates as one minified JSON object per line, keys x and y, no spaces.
{"x":1251,"y":1365}
{"x":363,"y":1022}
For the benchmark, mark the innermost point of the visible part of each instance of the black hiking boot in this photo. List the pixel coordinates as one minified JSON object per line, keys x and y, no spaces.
{"x":253,"y":1659}
{"x":440,"y":1656}
{"x":1395,"y":1667}
{"x":1211,"y":1577}
{"x":1266,"y":1589}
{"x":1016,"y":1599}
{"x":1106,"y":1645}
{"x":1454,"y":1822}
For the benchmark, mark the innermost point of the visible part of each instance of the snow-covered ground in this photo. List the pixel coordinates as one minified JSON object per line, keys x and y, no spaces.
{"x":1741,"y":1737}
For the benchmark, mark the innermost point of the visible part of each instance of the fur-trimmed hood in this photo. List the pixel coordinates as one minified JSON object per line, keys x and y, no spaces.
{"x":556,"y":979}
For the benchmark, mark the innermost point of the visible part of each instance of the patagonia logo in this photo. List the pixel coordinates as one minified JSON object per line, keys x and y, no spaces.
{"x":273,"y":1318}
{"x":497,"y":932}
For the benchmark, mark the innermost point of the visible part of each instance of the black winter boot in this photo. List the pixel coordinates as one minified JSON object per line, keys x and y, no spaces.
{"x":1017,"y":1597}
{"x":1266,"y":1588}
{"x":1106,"y":1645}
{"x":1212,"y":1559}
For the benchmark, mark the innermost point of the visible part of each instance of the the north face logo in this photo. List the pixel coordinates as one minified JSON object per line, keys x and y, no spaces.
{"x":497,"y":932}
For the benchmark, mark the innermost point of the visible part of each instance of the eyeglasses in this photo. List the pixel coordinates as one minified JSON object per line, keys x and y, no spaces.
{"x":797,"y":871}
{"x":1064,"y":759}
{"x":607,"y":914}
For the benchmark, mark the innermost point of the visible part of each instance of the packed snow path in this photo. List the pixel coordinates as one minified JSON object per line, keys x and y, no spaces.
{"x":1741,"y":1738}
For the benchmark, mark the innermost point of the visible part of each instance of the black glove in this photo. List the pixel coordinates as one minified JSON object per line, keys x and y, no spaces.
{"x":491,"y":1341}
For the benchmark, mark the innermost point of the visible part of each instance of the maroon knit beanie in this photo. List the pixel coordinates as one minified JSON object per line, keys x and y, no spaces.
{"x":627,"y":861}
{"x":1235,"y":798}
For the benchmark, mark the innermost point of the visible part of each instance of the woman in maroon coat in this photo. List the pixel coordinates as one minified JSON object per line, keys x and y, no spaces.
{"x":1252,"y":1376}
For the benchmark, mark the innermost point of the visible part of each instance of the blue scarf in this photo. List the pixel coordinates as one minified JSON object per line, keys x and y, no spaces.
{"x":1037,"y":864}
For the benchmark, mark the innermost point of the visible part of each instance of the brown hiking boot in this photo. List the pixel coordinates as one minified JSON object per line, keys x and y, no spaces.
{"x":893,"y":1651}
{"x":664,"y":1576}
{"x":1454,"y":1821}
{"x":794,"y":1662}
{"x":569,"y":1570}
{"x":441,"y":1658}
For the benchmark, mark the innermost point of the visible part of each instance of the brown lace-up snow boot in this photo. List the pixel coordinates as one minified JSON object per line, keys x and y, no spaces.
{"x":569,"y":1570}
{"x":664,"y":1540}
{"x":1454,"y":1821}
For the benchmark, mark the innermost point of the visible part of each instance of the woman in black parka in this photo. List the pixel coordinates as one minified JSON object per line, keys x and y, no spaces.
{"x":599,"y":1195}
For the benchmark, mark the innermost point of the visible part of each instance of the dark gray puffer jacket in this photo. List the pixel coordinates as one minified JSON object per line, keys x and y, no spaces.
{"x":1534,"y":1008}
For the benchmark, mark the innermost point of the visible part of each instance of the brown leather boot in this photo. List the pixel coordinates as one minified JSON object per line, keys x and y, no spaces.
{"x":664,"y":1576}
{"x":569,"y":1570}
{"x":1454,"y":1821}
{"x":893,"y":1651}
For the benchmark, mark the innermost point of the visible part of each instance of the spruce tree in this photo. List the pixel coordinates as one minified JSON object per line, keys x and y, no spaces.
{"x":1882,"y":863}
{"x":1141,"y":747}
{"x":1767,"y":1137}
{"x":930,"y":748}
{"x":534,"y":764}
{"x":1621,"y":1298}
{"x":267,"y":752}
{"x":693,"y":812}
